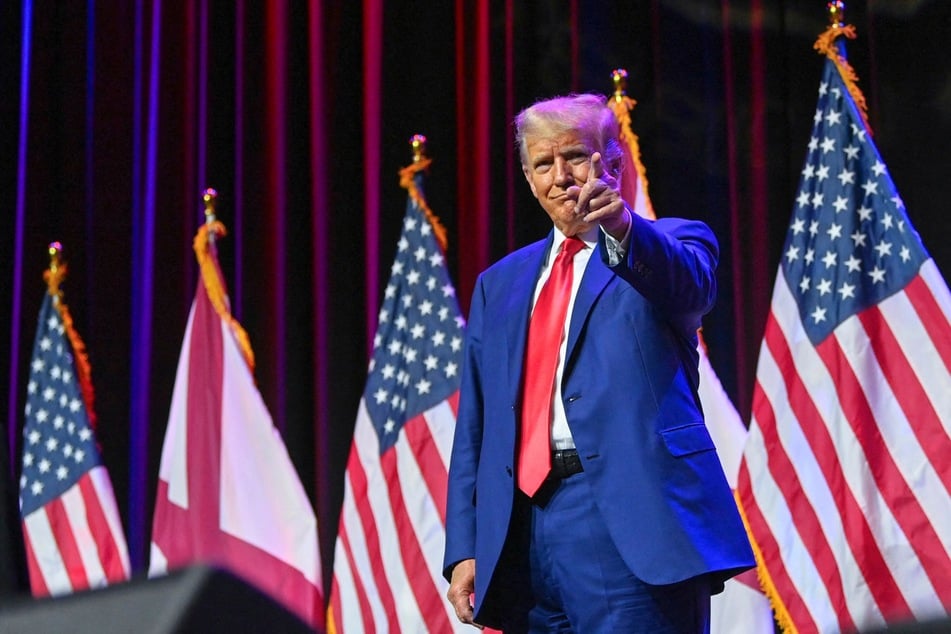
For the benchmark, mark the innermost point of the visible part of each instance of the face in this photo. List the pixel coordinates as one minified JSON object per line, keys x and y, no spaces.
{"x":555,"y":164}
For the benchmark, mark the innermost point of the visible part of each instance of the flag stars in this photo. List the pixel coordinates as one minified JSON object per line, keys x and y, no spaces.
{"x":426,"y":308}
{"x":389,"y":425}
{"x":804,"y":283}
{"x":78,"y":456}
{"x":883,"y":248}
{"x":879,"y":168}
{"x":841,"y":204}
{"x":410,"y":223}
{"x":818,"y":315}
{"x":846,"y":177}
{"x":34,"y":437}
{"x":456,"y":344}
{"x":56,"y":372}
{"x":888,"y":221}
{"x":438,"y":338}
{"x":407,"y":301}
{"x":870,"y":187}
{"x":431,"y":363}
{"x":813,"y":144}
{"x":792,"y":253}
{"x":380,"y":396}
{"x":835,"y":231}
{"x":824,"y":287}
{"x":851,"y":152}
{"x":395,"y":347}
{"x":49,"y":394}
{"x":403,"y":244}
{"x":817,"y":199}
{"x":388,"y":371}
{"x":51,"y":444}
{"x":830,"y":259}
{"x":397,"y":268}
{"x":412,"y":278}
{"x":435,"y":260}
{"x":803,"y":199}
{"x":877,"y":274}
{"x":858,"y":239}
{"x":420,"y":254}
{"x":834,"y":117}
{"x":853,"y":264}
{"x":828,"y":145}
{"x":422,"y":386}
{"x":847,"y":290}
{"x":798,"y":226}
{"x":401,"y":322}
{"x":44,"y":465}
{"x":822,"y":173}
{"x":865,"y":213}
{"x":418,"y":331}
{"x":808,"y":171}
{"x":814,"y":228}
{"x":42,"y":416}
{"x":36,"y":488}
{"x":62,"y":473}
{"x":899,"y":204}
{"x":810,"y":256}
{"x":905,"y":253}
{"x":38,"y":365}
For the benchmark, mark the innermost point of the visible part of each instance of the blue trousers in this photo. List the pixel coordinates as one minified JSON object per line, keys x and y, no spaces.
{"x":561,"y":551}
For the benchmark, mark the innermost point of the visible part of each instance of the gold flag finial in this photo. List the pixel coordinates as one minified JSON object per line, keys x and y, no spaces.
{"x":421,"y":162}
{"x":836,"y":9}
{"x":418,"y":144}
{"x":210,"y":198}
{"x":619,"y":77}
{"x":56,"y":273}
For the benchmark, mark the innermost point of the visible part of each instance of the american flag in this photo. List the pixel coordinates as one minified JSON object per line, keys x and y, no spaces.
{"x":71,"y":526}
{"x":388,"y":557}
{"x":846,"y":476}
{"x":228,"y":493}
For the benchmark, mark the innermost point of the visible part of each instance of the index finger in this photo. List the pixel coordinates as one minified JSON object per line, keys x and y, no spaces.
{"x":596,"y":170}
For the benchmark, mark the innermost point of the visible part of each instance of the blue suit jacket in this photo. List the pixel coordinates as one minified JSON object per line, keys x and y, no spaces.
{"x":630,"y":394}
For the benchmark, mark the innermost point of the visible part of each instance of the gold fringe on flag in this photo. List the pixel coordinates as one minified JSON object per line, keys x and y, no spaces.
{"x":780,"y":613}
{"x":408,"y":182}
{"x":825,"y":45}
{"x":54,"y":276}
{"x":214,"y":286}
{"x":622,"y":105}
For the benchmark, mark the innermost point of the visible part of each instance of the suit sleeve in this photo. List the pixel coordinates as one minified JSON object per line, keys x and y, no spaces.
{"x":672,"y":262}
{"x":467,"y":445}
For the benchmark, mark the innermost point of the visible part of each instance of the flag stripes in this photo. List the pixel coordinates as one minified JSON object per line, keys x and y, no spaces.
{"x":87,"y":550}
{"x":394,"y":585}
{"x":833,"y":447}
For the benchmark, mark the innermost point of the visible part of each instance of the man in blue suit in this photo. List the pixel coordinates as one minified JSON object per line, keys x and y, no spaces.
{"x":633,"y":525}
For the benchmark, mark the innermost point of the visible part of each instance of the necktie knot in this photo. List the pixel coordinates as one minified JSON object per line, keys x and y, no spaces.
{"x":570,"y":247}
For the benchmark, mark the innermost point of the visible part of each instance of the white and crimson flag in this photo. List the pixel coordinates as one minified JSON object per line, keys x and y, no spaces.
{"x":741,"y":608}
{"x":71,"y":526}
{"x":846,"y":476}
{"x":228,"y":493}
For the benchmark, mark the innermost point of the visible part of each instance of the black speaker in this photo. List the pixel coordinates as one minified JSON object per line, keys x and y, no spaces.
{"x":195,"y":599}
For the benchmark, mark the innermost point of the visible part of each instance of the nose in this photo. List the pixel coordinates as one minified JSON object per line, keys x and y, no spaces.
{"x":562,"y":171}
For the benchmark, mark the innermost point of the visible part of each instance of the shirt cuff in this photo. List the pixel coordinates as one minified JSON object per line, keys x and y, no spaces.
{"x":617,"y":249}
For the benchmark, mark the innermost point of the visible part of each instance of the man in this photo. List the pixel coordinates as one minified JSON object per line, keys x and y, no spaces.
{"x":620,"y":520}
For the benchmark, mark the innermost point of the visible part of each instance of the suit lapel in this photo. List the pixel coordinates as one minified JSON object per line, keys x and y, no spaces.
{"x":595,"y":279}
{"x":518,"y":308}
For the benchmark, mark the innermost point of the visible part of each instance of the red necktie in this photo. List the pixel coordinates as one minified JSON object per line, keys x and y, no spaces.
{"x":541,"y":362}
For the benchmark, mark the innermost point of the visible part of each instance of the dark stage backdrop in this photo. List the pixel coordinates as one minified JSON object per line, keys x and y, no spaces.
{"x":115,"y":115}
